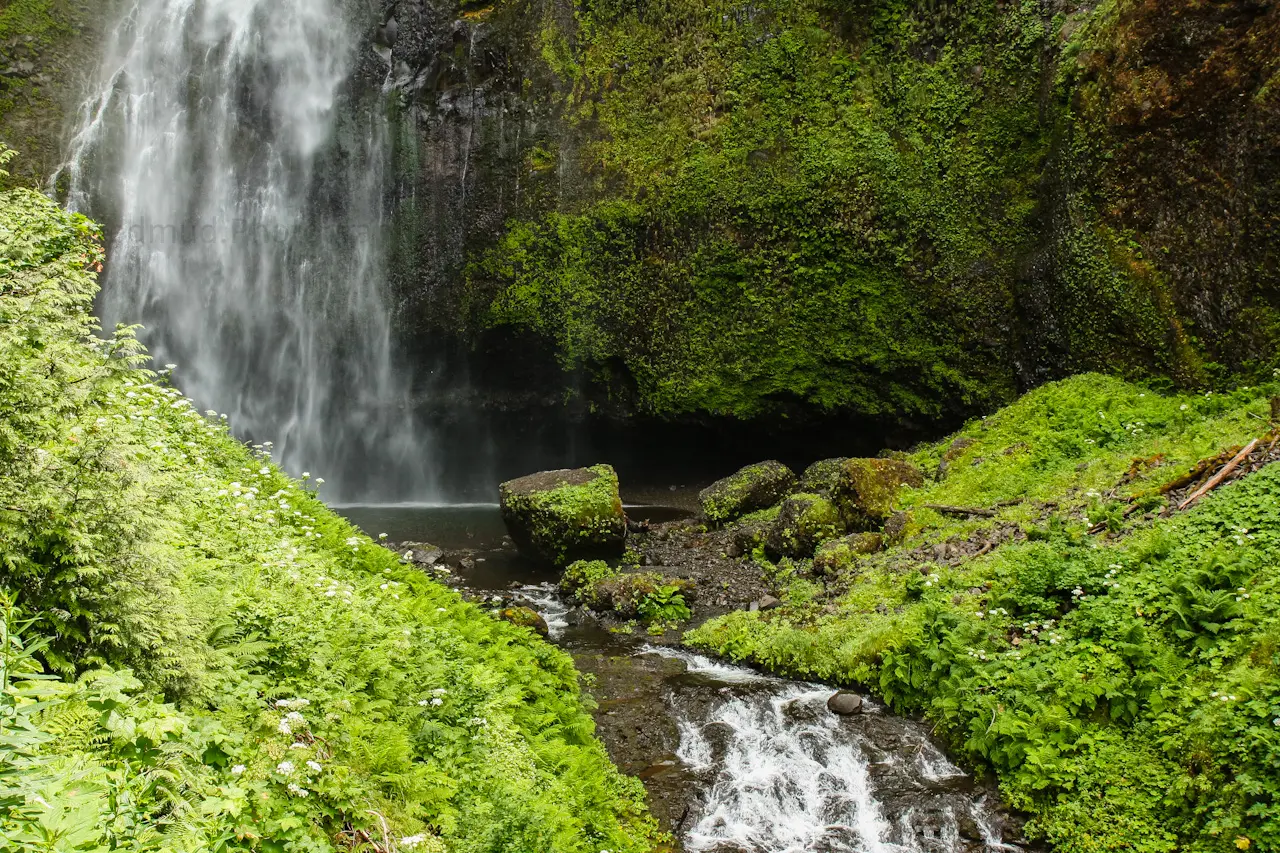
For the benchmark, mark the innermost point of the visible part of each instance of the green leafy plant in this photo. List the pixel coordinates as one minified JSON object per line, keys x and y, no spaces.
{"x":664,"y":604}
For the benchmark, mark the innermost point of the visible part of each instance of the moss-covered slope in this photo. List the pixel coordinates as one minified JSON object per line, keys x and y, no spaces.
{"x":1108,"y":655}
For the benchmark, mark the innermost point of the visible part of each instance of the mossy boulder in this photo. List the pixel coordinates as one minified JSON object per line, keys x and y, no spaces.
{"x":755,"y":487}
{"x":867,"y":490}
{"x":804,"y":522}
{"x":750,"y":532}
{"x":839,"y":556}
{"x":557,"y":517}
{"x":821,"y":477}
{"x":526,"y":617}
{"x":601,"y":587}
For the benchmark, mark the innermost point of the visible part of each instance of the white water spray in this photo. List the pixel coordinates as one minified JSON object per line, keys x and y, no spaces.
{"x":244,"y":185}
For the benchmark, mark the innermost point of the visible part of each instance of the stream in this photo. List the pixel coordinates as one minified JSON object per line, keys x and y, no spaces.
{"x":735,"y":761}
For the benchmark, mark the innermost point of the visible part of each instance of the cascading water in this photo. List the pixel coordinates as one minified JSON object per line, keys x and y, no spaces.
{"x":244,"y":187}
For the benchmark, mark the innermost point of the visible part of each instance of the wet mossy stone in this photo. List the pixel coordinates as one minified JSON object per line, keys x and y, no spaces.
{"x":867,"y":489}
{"x":557,"y":517}
{"x":804,"y":522}
{"x":526,"y":617}
{"x":755,"y":487}
{"x":838,"y":556}
{"x":821,"y":477}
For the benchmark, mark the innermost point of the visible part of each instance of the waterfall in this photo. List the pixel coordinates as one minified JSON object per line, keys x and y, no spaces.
{"x":242,"y":181}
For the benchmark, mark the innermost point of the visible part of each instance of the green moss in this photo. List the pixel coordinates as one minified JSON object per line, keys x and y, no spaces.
{"x":867,"y":490}
{"x":560,"y":515}
{"x":840,"y":556}
{"x":803,"y":522}
{"x":753,"y":488}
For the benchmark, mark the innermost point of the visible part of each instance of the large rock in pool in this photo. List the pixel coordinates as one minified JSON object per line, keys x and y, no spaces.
{"x":867,"y":489}
{"x":753,"y":488}
{"x":557,"y":517}
{"x":804,"y":522}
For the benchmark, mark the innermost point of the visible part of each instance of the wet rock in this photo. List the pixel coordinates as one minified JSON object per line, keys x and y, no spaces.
{"x":526,"y":617}
{"x":969,"y":828}
{"x":820,"y":478}
{"x":840,"y":555}
{"x":845,"y":703}
{"x":753,"y":488}
{"x":867,"y":490}
{"x":803,"y":523}
{"x":421,"y":553}
{"x":557,"y":517}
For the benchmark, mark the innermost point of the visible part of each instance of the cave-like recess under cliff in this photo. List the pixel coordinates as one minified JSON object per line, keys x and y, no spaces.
{"x":821,"y":217}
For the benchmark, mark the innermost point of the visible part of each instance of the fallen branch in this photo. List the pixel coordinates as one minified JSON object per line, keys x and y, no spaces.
{"x":14,"y":509}
{"x":1220,"y":476}
{"x":961,"y":510}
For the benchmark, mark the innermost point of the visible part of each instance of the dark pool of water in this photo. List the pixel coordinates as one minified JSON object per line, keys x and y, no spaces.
{"x":473,"y":527}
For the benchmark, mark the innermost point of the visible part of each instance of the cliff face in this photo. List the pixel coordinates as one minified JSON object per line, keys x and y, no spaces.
{"x":45,"y":48}
{"x":895,"y":212}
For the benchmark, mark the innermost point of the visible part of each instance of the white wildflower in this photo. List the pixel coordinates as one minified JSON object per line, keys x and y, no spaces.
{"x":237,"y":770}
{"x":284,"y":768}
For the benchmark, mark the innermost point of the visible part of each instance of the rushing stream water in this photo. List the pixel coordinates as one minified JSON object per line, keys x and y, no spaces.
{"x":243,"y":184}
{"x":735,"y":761}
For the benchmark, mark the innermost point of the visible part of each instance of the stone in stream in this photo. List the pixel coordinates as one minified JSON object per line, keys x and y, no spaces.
{"x":803,"y":523}
{"x":753,"y":488}
{"x":526,"y":617}
{"x":558,"y":517}
{"x":867,"y":490}
{"x":420,"y":553}
{"x":845,"y":703}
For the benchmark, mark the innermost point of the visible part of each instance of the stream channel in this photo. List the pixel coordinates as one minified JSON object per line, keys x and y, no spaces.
{"x":735,"y":761}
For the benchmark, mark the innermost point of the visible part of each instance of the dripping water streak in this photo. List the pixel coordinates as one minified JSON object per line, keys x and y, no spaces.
{"x":243,"y":185}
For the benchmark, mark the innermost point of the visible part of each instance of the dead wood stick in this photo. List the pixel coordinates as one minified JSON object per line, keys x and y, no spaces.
{"x":960,"y":510}
{"x":1220,"y":476}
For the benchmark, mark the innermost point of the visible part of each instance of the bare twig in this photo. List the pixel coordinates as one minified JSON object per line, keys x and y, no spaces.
{"x":1220,"y":476}
{"x":961,"y":510}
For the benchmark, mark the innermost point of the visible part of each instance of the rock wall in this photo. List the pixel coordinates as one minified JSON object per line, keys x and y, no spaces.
{"x":46,"y":47}
{"x":889,"y":214}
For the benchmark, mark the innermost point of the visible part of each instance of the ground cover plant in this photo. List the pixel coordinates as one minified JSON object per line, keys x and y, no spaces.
{"x":1113,"y":661}
{"x":196,"y":654}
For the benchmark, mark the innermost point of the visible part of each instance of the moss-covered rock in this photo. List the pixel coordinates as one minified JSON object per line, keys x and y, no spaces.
{"x":755,"y":487}
{"x":867,"y":489}
{"x":557,"y":517}
{"x":821,"y":477}
{"x":629,"y":596}
{"x":526,"y":617}
{"x":839,"y":556}
{"x":803,"y":522}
